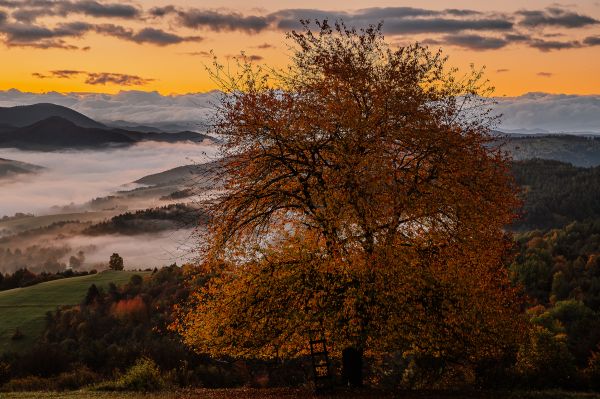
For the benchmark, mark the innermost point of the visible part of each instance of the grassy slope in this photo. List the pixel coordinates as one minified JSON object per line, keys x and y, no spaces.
{"x":26,"y":308}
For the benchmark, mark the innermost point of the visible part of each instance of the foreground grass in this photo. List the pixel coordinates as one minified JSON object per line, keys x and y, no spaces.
{"x":25,"y":308}
{"x":284,"y":393}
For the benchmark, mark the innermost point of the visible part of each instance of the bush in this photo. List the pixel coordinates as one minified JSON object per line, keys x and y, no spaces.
{"x":76,"y":379}
{"x":144,"y":375}
{"x":27,"y":384}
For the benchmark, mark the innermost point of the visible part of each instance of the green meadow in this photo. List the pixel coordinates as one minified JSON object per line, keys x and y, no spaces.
{"x":25,"y":308}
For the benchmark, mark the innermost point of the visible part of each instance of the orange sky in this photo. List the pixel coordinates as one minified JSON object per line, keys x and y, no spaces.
{"x":515,"y":67}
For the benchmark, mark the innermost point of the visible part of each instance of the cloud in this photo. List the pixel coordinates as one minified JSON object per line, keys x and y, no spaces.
{"x":549,"y":45}
{"x":65,"y":74}
{"x":545,"y":74}
{"x":147,"y":35}
{"x":217,"y":21}
{"x":397,"y":20}
{"x":140,"y":107}
{"x":502,"y":70}
{"x":556,"y":17}
{"x":103,"y":78}
{"x":264,"y":46}
{"x":552,"y":112}
{"x":97,"y":78}
{"x":31,"y":10}
{"x":204,"y":54}
{"x":475,"y":42}
{"x":592,"y":41}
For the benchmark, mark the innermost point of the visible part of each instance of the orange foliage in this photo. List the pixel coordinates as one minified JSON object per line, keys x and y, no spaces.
{"x":362,"y":200}
{"x":134,"y":308}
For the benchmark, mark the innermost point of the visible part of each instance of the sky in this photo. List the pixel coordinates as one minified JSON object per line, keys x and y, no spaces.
{"x":163,"y":45}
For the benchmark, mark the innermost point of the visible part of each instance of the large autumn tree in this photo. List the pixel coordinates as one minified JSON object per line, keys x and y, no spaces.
{"x":363,"y":201}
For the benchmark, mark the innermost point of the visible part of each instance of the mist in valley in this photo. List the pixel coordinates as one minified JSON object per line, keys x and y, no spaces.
{"x":76,"y":177}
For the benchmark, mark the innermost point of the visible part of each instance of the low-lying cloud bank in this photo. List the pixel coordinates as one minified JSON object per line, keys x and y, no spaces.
{"x":532,"y":111}
{"x":132,"y":106}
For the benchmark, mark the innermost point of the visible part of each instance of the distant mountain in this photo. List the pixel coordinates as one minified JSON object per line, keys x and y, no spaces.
{"x":25,"y":115}
{"x":577,"y":150}
{"x":57,"y":133}
{"x":10,"y":168}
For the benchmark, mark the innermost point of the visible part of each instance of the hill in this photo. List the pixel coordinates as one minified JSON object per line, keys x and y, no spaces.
{"x":204,"y":175}
{"x":556,"y":193}
{"x":55,"y":133}
{"x":10,"y":168}
{"x":25,"y":115}
{"x":25,"y":308}
{"x":581,"y":151}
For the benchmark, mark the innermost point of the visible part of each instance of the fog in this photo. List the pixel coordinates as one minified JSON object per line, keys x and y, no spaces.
{"x":78,"y":176}
{"x":140,"y":251}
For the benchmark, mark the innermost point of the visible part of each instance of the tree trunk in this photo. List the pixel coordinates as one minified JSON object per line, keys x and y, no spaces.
{"x":352,"y":364}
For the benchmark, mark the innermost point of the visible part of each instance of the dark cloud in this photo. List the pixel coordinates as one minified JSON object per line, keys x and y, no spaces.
{"x":397,"y":20}
{"x":217,"y":21}
{"x":475,"y":42}
{"x":517,"y":37}
{"x":146,"y":35}
{"x":502,"y":70}
{"x":103,"y":78}
{"x":96,"y":78}
{"x":545,"y":74}
{"x":162,"y":11}
{"x":592,"y":41}
{"x":554,"y":16}
{"x":65,"y":73}
{"x":3,"y":17}
{"x":462,"y":12}
{"x":550,"y":45}
{"x":204,"y":54}
{"x":160,"y":37}
{"x":29,"y":35}
{"x":264,"y":46}
{"x":30,"y":10}
{"x":95,"y":9}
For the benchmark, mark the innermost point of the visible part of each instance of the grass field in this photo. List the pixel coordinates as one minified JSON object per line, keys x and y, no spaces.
{"x":297,"y":394}
{"x":25,"y":308}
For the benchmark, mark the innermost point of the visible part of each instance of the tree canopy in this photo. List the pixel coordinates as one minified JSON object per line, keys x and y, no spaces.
{"x":362,"y":200}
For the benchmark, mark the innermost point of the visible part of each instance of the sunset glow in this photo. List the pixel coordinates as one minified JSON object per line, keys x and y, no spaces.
{"x":163,"y":45}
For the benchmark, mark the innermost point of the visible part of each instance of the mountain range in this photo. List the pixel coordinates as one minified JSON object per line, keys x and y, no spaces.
{"x":49,"y":127}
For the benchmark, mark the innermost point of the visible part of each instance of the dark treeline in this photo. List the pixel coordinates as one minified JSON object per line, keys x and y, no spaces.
{"x":146,"y":221}
{"x":25,"y":278}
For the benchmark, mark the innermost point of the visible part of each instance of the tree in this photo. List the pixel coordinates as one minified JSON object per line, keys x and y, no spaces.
{"x":363,"y":201}
{"x":115,"y":262}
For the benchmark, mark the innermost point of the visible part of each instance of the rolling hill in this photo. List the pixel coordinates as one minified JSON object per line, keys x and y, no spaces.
{"x":25,"y":308}
{"x":25,"y":115}
{"x":582,"y":151}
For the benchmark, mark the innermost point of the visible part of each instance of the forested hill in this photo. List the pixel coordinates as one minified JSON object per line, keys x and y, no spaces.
{"x":556,"y":193}
{"x":577,"y":150}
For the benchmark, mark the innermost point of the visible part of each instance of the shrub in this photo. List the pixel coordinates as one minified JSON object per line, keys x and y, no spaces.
{"x":30,"y":383}
{"x":76,"y":379}
{"x":144,"y":375}
{"x":545,"y":361}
